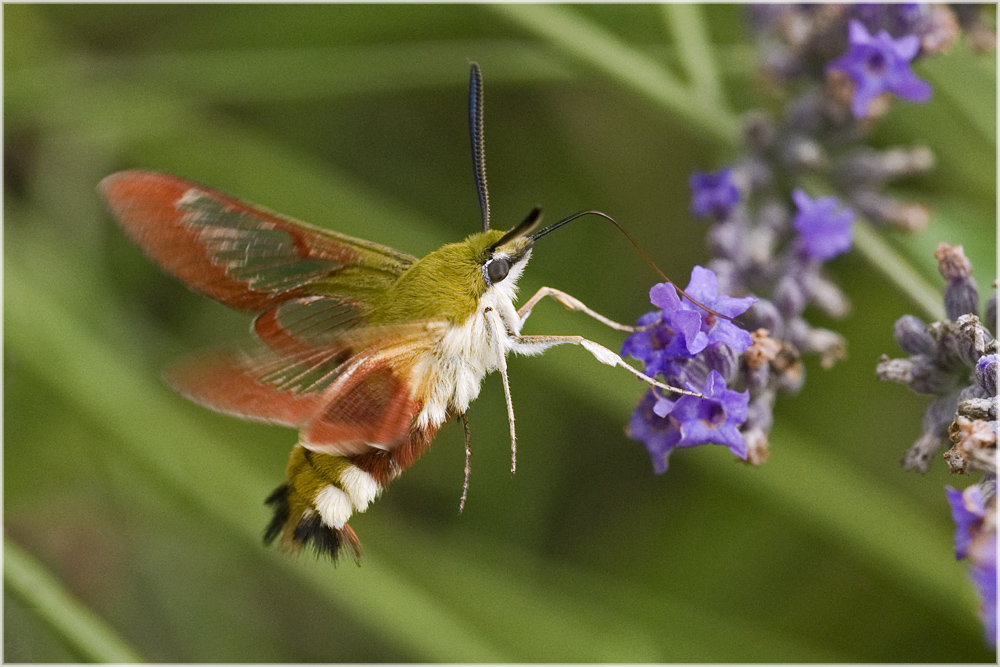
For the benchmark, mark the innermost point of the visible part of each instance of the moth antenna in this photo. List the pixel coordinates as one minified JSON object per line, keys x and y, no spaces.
{"x":476,"y":138}
{"x":556,"y":225}
{"x":468,"y":461}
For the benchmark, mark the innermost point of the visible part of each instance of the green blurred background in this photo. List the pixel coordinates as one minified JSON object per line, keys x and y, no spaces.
{"x":148,"y":510}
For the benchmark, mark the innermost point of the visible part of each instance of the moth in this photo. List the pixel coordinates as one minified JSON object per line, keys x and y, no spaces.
{"x":366,"y":350}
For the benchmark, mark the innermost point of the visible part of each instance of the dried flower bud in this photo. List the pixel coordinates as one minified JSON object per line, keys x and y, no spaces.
{"x":757,"y":451}
{"x":920,"y":455}
{"x":952,"y":262}
{"x":978,"y":408}
{"x":791,"y":372}
{"x":899,"y":371}
{"x":911,"y":335}
{"x":763,"y":349}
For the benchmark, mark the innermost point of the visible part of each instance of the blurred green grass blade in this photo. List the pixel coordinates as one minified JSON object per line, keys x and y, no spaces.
{"x":561,"y":622}
{"x":283,"y":75}
{"x":690,"y":32}
{"x":588,"y":43}
{"x":967,"y":81}
{"x":897,"y":270}
{"x":84,"y":632}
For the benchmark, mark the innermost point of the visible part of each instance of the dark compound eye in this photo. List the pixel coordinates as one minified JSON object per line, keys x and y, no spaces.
{"x":497,"y":269}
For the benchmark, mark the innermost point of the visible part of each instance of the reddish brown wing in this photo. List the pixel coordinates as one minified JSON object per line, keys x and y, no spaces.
{"x":228,"y":381}
{"x":369,"y":400}
{"x":372,"y":403}
{"x":252,"y":259}
{"x":242,"y":255}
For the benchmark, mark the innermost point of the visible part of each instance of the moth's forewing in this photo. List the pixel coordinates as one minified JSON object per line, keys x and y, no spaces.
{"x":242,"y":255}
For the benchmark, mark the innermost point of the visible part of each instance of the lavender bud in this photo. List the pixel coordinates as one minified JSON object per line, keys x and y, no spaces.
{"x":756,"y":174}
{"x":869,"y":168}
{"x":722,"y":358}
{"x":760,"y":412}
{"x":911,"y":335}
{"x":828,"y":297}
{"x":773,"y":215}
{"x":986,"y":374}
{"x":803,"y":152}
{"x":757,"y":378}
{"x":880,"y":207}
{"x":726,"y":273}
{"x":961,"y":296}
{"x":789,"y":297}
{"x":764,"y":315}
{"x":972,"y":339}
{"x":919,"y":456}
{"x":978,"y":408}
{"x":899,"y":371}
{"x":797,"y":333}
{"x":726,"y":240}
{"x":830,"y":345}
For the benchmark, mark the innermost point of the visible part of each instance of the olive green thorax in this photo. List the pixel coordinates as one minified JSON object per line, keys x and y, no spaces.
{"x":448,"y":282}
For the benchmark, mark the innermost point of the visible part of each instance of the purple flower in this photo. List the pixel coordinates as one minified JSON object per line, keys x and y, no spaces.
{"x":878,"y":65}
{"x":825,"y":230}
{"x":695,"y":327}
{"x":664,"y":424}
{"x":681,"y":330}
{"x":984,"y":577}
{"x":975,"y":538}
{"x":967,"y":510}
{"x":713,"y":194}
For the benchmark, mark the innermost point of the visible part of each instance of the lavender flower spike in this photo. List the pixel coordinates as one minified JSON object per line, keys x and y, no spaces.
{"x":878,"y":65}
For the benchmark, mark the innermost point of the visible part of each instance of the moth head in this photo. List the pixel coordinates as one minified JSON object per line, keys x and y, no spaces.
{"x":506,"y":255}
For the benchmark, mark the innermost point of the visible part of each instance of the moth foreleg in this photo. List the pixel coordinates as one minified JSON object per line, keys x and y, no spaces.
{"x":572,"y":303}
{"x":599,"y":352}
{"x":499,"y":329}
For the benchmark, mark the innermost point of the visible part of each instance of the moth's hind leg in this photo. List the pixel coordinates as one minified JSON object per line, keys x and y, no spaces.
{"x":312,"y":506}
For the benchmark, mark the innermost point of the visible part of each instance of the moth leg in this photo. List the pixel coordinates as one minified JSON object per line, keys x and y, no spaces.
{"x":535,"y":344}
{"x":498,"y":330}
{"x":468,"y":461}
{"x":572,"y":303}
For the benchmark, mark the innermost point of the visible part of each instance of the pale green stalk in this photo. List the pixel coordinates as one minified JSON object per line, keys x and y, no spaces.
{"x":694,"y":49}
{"x":85,"y":633}
{"x":590,"y":44}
